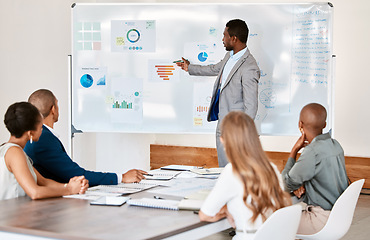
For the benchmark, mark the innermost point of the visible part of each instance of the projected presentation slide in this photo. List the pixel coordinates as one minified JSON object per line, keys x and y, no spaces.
{"x":133,"y":36}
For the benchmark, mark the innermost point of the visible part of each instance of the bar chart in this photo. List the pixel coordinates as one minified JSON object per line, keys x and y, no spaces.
{"x":122,"y":105}
{"x":165,"y":71}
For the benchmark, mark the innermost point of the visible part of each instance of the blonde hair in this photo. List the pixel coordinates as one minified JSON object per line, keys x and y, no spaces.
{"x":250,"y":163}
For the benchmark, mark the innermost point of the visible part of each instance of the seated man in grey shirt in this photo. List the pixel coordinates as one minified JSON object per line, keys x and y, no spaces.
{"x":319,"y":175}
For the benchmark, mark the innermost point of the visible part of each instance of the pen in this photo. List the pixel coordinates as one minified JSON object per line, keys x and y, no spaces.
{"x":177,"y":61}
{"x":157,"y":197}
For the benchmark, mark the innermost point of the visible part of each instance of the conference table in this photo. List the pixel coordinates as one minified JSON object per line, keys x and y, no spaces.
{"x":65,"y":218}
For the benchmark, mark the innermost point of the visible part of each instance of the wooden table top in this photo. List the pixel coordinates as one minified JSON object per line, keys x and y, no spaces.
{"x":77,"y":219}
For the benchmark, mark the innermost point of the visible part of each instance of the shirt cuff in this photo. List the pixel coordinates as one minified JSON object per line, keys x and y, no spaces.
{"x":119,"y":178}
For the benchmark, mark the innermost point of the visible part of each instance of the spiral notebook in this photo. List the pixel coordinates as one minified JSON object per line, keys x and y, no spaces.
{"x":184,"y":204}
{"x":155,"y":203}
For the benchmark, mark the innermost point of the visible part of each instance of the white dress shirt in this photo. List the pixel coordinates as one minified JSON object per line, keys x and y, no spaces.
{"x":230,"y":64}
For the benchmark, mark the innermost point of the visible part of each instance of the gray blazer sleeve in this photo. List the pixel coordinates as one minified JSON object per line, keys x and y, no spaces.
{"x":209,"y":70}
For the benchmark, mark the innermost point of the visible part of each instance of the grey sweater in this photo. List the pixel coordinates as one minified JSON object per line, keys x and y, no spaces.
{"x":321,"y":170}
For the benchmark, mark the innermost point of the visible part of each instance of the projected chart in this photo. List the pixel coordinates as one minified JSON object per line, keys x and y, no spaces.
{"x":101,"y":81}
{"x":86,"y":81}
{"x":123,"y":104}
{"x":201,"y":109}
{"x":126,"y":101}
{"x":133,"y":35}
{"x":202,"y":92}
{"x":204,"y":53}
{"x":165,"y":71}
{"x":162,"y":70}
{"x":268,"y":98}
{"x":91,"y":77}
{"x":202,"y":56}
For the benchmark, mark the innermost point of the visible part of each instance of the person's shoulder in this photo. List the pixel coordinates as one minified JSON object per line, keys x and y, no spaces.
{"x":228,"y":170}
{"x":13,"y":151}
{"x":250,"y":62}
{"x":228,"y":167}
{"x":46,"y":134}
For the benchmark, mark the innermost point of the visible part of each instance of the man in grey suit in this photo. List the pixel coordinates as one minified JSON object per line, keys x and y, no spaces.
{"x":236,"y":86}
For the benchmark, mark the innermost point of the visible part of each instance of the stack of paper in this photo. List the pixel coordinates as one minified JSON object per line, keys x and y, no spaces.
{"x":207,"y":171}
{"x":120,"y":189}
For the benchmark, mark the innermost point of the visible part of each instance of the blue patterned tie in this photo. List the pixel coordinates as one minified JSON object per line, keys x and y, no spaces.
{"x":215,"y":108}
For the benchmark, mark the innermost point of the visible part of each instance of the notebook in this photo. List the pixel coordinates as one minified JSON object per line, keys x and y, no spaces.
{"x":185,"y":204}
{"x":110,"y":201}
{"x":160,"y":175}
{"x":207,"y":171}
{"x":121,"y":188}
{"x":155,"y":203}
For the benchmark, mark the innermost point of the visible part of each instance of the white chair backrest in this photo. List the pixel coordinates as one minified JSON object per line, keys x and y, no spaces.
{"x":341,"y":215}
{"x":281,"y":225}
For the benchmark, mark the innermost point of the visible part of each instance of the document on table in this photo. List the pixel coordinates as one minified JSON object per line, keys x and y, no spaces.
{"x":178,"y":167}
{"x":183,"y":187}
{"x":161,"y":175}
{"x":208,"y":171}
{"x":185,"y":204}
{"x":120,"y":189}
{"x":92,"y":195}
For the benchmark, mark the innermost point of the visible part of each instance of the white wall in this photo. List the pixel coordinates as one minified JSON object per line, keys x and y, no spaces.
{"x":35,"y":40}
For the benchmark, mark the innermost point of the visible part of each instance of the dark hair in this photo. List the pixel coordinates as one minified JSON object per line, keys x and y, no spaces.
{"x":21,"y":117}
{"x":44,"y":100}
{"x":239,"y":29}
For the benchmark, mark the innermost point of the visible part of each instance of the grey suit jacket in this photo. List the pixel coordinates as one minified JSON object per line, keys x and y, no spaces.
{"x":240,"y":91}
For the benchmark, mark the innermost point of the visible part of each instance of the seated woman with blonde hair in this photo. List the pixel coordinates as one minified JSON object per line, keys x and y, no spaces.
{"x":250,"y":188}
{"x":17,"y":176}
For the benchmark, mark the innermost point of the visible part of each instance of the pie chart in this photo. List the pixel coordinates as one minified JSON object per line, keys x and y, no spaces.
{"x":202,"y":56}
{"x":133,"y":35}
{"x":86,"y":81}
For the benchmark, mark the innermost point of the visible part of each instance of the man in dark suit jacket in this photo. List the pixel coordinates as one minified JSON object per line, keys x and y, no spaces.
{"x":236,"y":85}
{"x":49,"y":156}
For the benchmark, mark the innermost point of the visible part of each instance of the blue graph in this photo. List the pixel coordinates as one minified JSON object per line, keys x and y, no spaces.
{"x":101,"y":81}
{"x":86,"y":81}
{"x":202,"y":56}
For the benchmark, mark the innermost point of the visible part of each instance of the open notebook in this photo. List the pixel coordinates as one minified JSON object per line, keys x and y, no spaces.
{"x":185,"y":204}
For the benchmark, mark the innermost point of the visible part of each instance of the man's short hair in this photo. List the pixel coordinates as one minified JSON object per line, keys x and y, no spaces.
{"x":239,"y":29}
{"x":44,"y":100}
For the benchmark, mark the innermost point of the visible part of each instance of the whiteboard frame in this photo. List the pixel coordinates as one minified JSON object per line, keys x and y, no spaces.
{"x":331,"y":86}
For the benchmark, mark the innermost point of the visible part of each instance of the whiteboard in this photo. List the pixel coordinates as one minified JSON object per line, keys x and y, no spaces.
{"x":124,"y":78}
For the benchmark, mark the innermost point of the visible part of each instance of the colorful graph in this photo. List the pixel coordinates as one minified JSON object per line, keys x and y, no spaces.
{"x":202,"y":56}
{"x":133,"y":35}
{"x":165,"y":71}
{"x":101,"y":81}
{"x":201,"y":109}
{"x":122,"y":105}
{"x":86,"y":80}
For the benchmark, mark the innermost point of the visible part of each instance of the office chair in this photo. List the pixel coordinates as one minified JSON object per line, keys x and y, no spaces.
{"x":281,"y":225}
{"x":341,"y":215}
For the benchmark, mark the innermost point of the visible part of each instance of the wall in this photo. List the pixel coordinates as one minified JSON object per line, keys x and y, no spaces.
{"x":36,"y":39}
